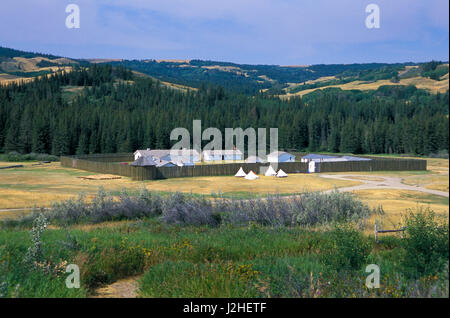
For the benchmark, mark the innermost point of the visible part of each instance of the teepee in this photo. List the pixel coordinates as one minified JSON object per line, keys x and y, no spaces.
{"x":270,"y":172}
{"x":251,"y":176}
{"x":240,"y":173}
{"x":281,"y":174}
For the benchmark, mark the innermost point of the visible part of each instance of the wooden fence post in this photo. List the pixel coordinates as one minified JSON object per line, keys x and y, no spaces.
{"x":376,"y":233}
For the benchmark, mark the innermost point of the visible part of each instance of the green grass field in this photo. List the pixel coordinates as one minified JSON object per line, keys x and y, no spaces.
{"x":228,"y":261}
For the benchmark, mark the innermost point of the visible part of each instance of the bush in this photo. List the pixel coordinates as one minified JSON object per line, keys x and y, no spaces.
{"x":440,"y":154}
{"x":347,"y":249}
{"x":183,"y":210}
{"x":306,"y":209}
{"x":34,"y":252}
{"x":105,"y":208}
{"x":426,"y":243}
{"x":14,"y":156}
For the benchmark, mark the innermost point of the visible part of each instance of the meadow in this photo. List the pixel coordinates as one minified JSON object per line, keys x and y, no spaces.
{"x":42,"y":185}
{"x":182,"y":247}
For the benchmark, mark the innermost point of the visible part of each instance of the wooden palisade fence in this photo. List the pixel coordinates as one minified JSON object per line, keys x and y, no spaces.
{"x":110,"y":164}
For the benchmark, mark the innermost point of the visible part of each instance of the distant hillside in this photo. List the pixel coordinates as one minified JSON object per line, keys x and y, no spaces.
{"x":275,"y":80}
{"x":432,"y":76}
{"x":244,"y":78}
{"x":18,"y":66}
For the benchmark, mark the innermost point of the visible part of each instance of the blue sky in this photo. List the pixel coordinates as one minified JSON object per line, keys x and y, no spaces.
{"x":284,"y":32}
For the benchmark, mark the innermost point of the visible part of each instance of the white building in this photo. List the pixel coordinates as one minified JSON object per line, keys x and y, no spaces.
{"x":317,"y":158}
{"x":280,"y":156}
{"x":184,"y":163}
{"x":325,"y":158}
{"x":212,"y":155}
{"x":254,"y":159}
{"x":233,"y":155}
{"x":186,"y":155}
{"x":143,"y":162}
{"x":219,"y":155}
{"x":164,"y":163}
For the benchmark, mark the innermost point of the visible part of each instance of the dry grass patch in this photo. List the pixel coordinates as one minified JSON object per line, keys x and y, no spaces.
{"x":436,"y":182}
{"x":420,"y":82}
{"x":41,"y":185}
{"x":396,"y":202}
{"x":205,"y":185}
{"x":11,"y":198}
{"x":438,"y":186}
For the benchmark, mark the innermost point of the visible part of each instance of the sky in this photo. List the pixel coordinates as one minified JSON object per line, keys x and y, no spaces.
{"x":281,"y":32}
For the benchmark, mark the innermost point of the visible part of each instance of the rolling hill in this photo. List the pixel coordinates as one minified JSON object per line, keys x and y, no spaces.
{"x":275,"y":80}
{"x":434,"y":81}
{"x":18,"y":66}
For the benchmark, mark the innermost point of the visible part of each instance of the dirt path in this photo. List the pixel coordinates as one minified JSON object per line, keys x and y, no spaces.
{"x":123,"y":288}
{"x":379,"y":182}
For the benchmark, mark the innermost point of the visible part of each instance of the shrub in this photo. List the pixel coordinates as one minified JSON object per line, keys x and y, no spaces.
{"x":426,"y":243}
{"x":183,"y":210}
{"x":347,"y":248}
{"x":319,"y":208}
{"x":271,"y":211}
{"x":440,"y":154}
{"x":104,"y":207}
{"x":34,"y":252}
{"x":14,"y":156}
{"x":307,"y":209}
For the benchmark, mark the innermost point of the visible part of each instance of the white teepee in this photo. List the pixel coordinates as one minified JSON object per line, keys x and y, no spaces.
{"x":281,"y":174}
{"x":240,"y":173}
{"x":251,"y":176}
{"x":270,"y":172}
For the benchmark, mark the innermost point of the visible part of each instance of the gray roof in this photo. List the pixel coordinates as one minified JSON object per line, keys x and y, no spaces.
{"x":279,"y":154}
{"x":333,"y":158}
{"x":163,"y":152}
{"x":316,"y":156}
{"x":143,"y":162}
{"x":253,"y":159}
{"x":162,"y":163}
{"x":351,"y":158}
{"x":223,"y":152}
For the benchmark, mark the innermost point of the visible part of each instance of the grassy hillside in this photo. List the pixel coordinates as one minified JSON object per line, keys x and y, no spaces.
{"x":432,"y":76}
{"x":285,"y":81}
{"x":17,"y":66}
{"x":244,"y":78}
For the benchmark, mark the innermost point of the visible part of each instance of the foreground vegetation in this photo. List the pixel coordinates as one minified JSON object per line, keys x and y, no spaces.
{"x":185,"y":246}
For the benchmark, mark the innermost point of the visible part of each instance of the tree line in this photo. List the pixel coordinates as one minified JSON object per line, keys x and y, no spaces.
{"x":112,"y":111}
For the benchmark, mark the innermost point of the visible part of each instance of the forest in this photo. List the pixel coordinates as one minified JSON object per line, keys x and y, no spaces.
{"x":257,"y":77}
{"x":106,"y":109}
